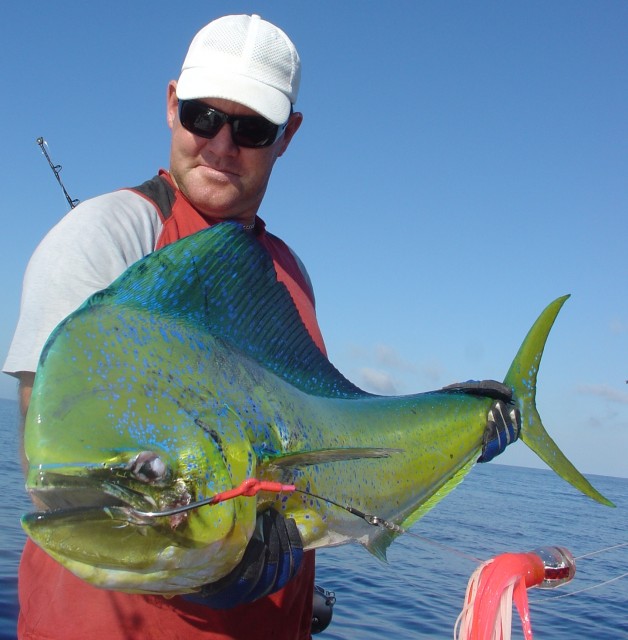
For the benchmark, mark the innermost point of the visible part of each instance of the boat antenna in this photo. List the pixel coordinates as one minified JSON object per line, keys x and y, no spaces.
{"x":56,"y":168}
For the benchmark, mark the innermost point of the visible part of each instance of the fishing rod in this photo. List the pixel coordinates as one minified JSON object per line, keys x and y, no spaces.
{"x":56,"y":168}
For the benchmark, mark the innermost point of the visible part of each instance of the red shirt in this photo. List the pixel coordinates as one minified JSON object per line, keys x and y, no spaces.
{"x":54,"y":604}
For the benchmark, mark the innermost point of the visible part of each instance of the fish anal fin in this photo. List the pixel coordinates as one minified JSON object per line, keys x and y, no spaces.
{"x":379,"y":545}
{"x":441,"y":493}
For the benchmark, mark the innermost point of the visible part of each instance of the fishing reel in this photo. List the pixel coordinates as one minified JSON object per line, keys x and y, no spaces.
{"x":322,"y":609}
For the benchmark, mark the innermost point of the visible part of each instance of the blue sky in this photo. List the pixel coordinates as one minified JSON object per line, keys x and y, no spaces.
{"x":460,"y":165}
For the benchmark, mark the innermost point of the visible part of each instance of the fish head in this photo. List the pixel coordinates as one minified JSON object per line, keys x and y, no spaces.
{"x":107,"y":444}
{"x":155,"y":394}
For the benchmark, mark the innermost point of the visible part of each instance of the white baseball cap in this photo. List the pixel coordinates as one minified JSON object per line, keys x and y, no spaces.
{"x":244,"y":59}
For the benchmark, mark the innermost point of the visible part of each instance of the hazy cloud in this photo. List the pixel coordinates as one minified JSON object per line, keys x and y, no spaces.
{"x":388,"y":357}
{"x":618,"y":325}
{"x":383,"y":370}
{"x":433,"y":372}
{"x":378,"y":382}
{"x":604,"y":391}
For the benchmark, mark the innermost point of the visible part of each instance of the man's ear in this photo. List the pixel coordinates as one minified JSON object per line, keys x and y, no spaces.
{"x":172,"y":103}
{"x":291,"y":128}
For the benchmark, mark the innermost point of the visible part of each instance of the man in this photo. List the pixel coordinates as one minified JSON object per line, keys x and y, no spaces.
{"x":231,"y":115}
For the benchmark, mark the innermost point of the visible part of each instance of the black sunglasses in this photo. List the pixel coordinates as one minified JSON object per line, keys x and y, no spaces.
{"x":246,"y":131}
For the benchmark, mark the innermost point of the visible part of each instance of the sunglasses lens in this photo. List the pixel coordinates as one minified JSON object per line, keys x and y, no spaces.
{"x":200,"y":120}
{"x":254,"y":132}
{"x":246,"y":131}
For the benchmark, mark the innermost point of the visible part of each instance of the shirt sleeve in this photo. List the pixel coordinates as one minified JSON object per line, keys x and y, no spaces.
{"x":305,"y":274}
{"x":84,"y":253}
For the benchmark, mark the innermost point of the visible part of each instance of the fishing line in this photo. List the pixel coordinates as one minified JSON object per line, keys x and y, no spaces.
{"x":593,"y":586}
{"x":573,"y":593}
{"x":390,"y":526}
{"x":251,"y":486}
{"x":594,"y":553}
{"x":381,"y":522}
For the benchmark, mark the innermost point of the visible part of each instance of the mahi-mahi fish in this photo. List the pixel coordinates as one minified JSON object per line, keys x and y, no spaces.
{"x":193,"y":372}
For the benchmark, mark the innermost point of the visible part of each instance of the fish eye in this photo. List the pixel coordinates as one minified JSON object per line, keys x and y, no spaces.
{"x":148,"y":467}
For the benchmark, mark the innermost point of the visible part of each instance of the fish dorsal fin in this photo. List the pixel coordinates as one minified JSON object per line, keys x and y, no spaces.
{"x":222,"y":281}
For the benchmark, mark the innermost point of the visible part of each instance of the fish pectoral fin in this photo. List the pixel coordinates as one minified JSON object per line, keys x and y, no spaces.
{"x":324,"y":456}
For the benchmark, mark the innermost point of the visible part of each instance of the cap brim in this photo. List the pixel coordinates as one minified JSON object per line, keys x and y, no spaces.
{"x":196,"y":83}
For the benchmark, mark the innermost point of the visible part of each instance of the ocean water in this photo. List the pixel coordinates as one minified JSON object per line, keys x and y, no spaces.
{"x":419,"y":592}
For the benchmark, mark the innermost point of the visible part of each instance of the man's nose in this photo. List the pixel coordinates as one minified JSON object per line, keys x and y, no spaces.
{"x":222,"y":143}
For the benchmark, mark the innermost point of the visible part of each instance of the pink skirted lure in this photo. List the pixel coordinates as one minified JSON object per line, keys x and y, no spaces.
{"x":487,"y":612}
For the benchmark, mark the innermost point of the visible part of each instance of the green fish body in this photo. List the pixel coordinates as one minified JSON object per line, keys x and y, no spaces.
{"x":193,"y":372}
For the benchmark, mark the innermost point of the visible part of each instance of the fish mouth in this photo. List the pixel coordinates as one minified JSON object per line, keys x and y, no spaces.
{"x":114,"y":536}
{"x":65,"y":498}
{"x":87,"y":522}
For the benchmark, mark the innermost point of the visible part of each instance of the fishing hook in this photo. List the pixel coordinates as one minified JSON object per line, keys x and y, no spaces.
{"x":249,"y":487}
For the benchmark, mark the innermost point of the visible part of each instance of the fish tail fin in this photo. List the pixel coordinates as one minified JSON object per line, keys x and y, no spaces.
{"x":521,"y":378}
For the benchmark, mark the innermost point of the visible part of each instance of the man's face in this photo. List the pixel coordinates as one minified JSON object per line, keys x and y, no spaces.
{"x":217,"y":176}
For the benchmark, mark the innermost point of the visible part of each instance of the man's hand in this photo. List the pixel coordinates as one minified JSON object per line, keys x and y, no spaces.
{"x":503,"y":425}
{"x":272,"y":557}
{"x":503,"y":421}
